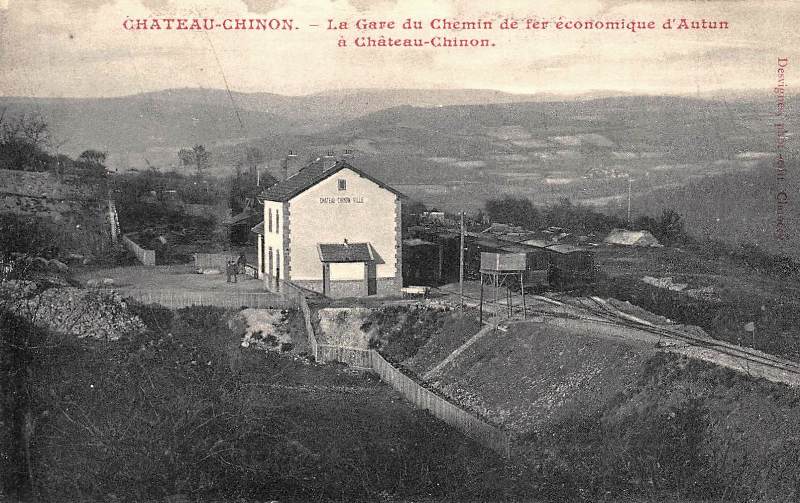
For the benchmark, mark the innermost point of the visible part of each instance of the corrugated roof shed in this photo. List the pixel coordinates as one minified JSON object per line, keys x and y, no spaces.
{"x":567,"y":248}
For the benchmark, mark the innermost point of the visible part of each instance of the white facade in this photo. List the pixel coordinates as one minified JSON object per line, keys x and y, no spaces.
{"x":271,"y":251}
{"x":345,"y":206}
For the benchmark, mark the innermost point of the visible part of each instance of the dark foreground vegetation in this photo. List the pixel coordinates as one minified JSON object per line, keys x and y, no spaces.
{"x":182,"y":410}
{"x":622,"y":422}
{"x":685,"y":431}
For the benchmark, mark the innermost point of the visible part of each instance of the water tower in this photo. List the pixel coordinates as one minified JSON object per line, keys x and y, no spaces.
{"x":503,"y":270}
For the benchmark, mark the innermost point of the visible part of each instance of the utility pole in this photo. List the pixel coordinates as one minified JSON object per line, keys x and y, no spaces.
{"x":461,"y":264}
{"x":630,"y":181}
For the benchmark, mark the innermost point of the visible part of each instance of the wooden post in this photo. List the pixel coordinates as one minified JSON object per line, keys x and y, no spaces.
{"x":480,"y":309}
{"x":496,"y":302}
{"x":522,"y":291}
{"x":508,"y":300}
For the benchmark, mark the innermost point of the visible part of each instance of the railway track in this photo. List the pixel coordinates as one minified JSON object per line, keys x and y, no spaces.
{"x":596,"y":310}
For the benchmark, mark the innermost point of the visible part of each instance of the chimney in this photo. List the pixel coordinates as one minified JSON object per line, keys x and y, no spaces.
{"x":289,"y":162}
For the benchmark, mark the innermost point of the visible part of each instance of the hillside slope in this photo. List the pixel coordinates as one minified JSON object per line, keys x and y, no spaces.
{"x":737,"y":207}
{"x":627,"y":422}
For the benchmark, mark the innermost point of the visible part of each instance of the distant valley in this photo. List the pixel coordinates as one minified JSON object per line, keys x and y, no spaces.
{"x":454,"y":149}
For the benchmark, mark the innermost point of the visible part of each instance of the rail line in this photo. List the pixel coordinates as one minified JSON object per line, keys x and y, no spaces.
{"x":602,"y":313}
{"x":738,"y":352}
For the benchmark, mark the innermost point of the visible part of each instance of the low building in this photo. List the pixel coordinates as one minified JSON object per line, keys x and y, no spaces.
{"x":333,"y":229}
{"x":625,"y":237}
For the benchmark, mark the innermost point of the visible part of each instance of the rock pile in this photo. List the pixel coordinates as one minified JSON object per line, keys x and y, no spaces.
{"x":265,"y":329}
{"x":82,"y":313}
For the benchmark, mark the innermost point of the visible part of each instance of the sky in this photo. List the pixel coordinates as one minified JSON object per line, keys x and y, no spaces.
{"x":80,"y":48}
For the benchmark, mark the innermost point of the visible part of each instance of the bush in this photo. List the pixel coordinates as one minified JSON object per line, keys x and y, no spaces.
{"x":164,"y":414}
{"x":399,"y":331}
{"x":20,"y":349}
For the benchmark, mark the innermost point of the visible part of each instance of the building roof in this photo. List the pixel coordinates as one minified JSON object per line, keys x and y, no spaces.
{"x":631,"y":238}
{"x":417,"y":242}
{"x":567,"y":248}
{"x":310,"y":175}
{"x":345,"y":252}
{"x":239,"y":219}
{"x":258,"y":229}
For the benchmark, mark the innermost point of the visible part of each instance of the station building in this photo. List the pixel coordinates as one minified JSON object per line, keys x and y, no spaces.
{"x":333,"y":229}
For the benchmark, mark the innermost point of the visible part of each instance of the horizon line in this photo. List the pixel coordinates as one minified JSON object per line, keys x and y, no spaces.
{"x":609,"y":93}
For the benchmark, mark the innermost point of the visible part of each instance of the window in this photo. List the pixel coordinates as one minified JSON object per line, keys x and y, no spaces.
{"x":269,"y":220}
{"x":277,"y":220}
{"x":342,"y":184}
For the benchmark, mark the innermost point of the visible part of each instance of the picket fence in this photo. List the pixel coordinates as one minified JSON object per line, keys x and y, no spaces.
{"x":178,"y":299}
{"x":214,"y":260}
{"x":143,"y":255}
{"x":488,"y":435}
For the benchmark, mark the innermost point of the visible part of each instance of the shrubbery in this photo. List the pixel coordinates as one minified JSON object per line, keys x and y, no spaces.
{"x":724,"y":319}
{"x":178,"y":410}
{"x":399,"y":331}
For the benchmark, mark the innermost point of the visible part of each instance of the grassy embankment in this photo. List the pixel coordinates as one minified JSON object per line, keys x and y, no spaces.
{"x":184,"y":410}
{"x":621,"y":421}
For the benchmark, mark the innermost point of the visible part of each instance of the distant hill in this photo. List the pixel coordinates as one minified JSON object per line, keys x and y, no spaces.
{"x":554,"y":146}
{"x":735,"y":207}
{"x":155,"y":125}
{"x":316,"y":112}
{"x":143,"y":123}
{"x":455,"y":149}
{"x":468,"y":123}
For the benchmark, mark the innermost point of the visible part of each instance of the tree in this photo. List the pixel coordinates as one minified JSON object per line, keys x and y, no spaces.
{"x":411,"y":213}
{"x":252,"y":158}
{"x":93,"y":157}
{"x":186,"y":156}
{"x":515,"y":211}
{"x":198,"y":157}
{"x":23,"y":142}
{"x":91,"y":163}
{"x":667,"y":228}
{"x":576,"y":218}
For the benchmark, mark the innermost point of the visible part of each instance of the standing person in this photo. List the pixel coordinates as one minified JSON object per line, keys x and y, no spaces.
{"x":241,"y":263}
{"x":228,"y":270}
{"x":234,"y":270}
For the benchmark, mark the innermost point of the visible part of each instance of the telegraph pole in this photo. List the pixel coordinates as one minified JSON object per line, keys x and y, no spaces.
{"x":461,"y":264}
{"x":630,"y":181}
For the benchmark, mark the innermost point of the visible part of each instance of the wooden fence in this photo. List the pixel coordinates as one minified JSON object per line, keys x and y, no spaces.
{"x":312,"y":339}
{"x":470,"y":425}
{"x":355,"y":357}
{"x":213,"y":260}
{"x":178,"y":299}
{"x":146,"y":257}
